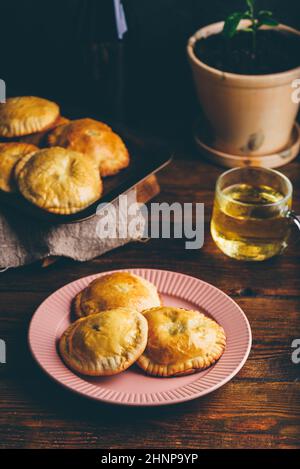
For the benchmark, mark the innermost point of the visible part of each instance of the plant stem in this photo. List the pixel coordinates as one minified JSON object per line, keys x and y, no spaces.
{"x":253,"y":55}
{"x":254,"y":30}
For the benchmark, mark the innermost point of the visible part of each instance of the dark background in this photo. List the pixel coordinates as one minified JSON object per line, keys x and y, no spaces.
{"x":53,"y":49}
{"x":50,"y":48}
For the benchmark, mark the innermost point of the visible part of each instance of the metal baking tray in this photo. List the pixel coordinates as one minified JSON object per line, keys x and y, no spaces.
{"x":146,"y":158}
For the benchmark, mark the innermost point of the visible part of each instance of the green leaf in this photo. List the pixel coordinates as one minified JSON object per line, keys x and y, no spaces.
{"x":269,"y":21}
{"x":247,"y":15}
{"x":266,"y":17}
{"x":231,"y":23}
{"x":265,"y":13}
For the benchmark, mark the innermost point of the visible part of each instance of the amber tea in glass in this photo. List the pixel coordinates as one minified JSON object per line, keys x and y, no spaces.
{"x":250,"y":216}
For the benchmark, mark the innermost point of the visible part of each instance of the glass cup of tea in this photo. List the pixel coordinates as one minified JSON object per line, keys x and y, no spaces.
{"x":252,"y":215}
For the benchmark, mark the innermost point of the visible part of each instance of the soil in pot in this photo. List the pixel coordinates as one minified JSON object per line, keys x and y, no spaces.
{"x":276,"y":51}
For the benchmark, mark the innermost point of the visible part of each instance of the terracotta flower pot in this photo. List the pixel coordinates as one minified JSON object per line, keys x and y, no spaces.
{"x":249,"y":114}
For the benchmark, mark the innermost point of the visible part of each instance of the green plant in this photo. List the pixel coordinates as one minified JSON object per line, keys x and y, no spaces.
{"x":262,"y":17}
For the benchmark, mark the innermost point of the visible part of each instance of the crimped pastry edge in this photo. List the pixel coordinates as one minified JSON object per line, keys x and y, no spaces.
{"x":107,"y":169}
{"x":186,"y":367}
{"x":76,"y":307}
{"x":67,"y":210}
{"x":11,"y":185}
{"x":29,"y":125}
{"x":141,"y":345}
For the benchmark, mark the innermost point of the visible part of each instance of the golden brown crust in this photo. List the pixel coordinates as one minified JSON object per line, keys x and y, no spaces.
{"x":180,"y":342}
{"x":106,"y":343}
{"x":96,"y":140}
{"x":20,"y":164}
{"x":40,"y":138}
{"x":76,"y":306}
{"x":10,"y":154}
{"x":58,"y":180}
{"x":26,"y":115}
{"x":119,"y":289}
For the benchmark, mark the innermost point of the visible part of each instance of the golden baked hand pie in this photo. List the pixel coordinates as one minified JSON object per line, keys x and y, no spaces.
{"x":10,"y":154}
{"x":25,"y":115}
{"x":106,"y":343}
{"x":40,"y":138}
{"x":180,"y":342}
{"x":58,"y":180}
{"x":94,"y":139}
{"x":120,"y":289}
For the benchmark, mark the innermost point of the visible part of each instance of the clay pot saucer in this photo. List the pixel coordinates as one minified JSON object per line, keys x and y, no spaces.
{"x":204,"y":141}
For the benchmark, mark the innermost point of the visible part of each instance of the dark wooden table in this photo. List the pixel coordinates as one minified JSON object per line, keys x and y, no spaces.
{"x":259,"y":408}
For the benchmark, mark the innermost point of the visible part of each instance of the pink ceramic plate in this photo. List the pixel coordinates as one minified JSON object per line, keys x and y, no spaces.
{"x":133,"y":387}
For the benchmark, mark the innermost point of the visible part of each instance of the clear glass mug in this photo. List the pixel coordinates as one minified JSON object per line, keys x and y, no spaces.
{"x":252,"y":214}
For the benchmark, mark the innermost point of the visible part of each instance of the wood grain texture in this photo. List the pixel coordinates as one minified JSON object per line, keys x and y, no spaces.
{"x":259,"y":408}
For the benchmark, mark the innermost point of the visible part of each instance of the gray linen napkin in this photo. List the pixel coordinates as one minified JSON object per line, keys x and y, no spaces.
{"x":24,"y":240}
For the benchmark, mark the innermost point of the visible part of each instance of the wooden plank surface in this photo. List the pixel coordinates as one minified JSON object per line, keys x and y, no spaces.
{"x":259,"y":408}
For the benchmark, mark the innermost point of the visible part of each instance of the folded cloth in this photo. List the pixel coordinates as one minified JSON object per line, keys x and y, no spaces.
{"x":24,"y":240}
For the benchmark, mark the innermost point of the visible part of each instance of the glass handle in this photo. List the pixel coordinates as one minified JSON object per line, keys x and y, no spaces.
{"x":294,"y":218}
